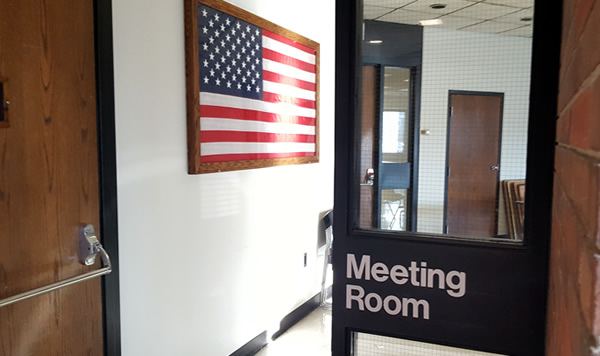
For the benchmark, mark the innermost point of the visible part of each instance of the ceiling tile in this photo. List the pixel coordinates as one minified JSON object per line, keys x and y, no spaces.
{"x":425,"y":6}
{"x":516,"y":17}
{"x":525,"y":31}
{"x":484,"y":11}
{"x":406,"y":17}
{"x":514,"y":3}
{"x":469,"y":15}
{"x":455,"y":22}
{"x":392,"y":4}
{"x":371,"y":12}
{"x":491,"y":27}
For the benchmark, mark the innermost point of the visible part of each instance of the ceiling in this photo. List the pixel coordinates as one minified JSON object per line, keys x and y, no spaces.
{"x":488,"y":16}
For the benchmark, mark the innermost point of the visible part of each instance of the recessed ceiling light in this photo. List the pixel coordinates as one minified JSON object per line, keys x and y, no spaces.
{"x":438,"y":6}
{"x":431,"y":22}
{"x":376,"y":41}
{"x":527,"y":19}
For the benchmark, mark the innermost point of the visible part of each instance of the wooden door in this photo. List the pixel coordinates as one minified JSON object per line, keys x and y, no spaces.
{"x":370,"y":115}
{"x":473,"y":164}
{"x":48,"y":176}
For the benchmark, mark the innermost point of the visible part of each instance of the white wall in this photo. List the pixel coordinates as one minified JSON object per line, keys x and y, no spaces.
{"x":208,"y":261}
{"x":460,"y":60}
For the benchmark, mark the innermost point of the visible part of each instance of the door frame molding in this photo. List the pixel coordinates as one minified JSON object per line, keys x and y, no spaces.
{"x":415,"y":121}
{"x":501,"y":124}
{"x":107,"y":154}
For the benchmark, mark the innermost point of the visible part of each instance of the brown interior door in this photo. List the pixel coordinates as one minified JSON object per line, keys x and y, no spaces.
{"x":48,"y":176}
{"x":473,"y":164}
{"x":370,"y":115}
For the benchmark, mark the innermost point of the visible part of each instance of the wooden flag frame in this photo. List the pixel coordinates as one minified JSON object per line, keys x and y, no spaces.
{"x":192,"y":63}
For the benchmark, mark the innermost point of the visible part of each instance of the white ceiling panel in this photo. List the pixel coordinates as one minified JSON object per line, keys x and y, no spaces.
{"x":516,"y":17}
{"x":491,"y":27}
{"x":484,"y":11}
{"x":371,"y":12}
{"x":392,"y":4}
{"x":488,"y":16}
{"x":425,"y":6}
{"x":455,"y":22}
{"x":525,"y":31}
{"x":406,"y":17}
{"x":513,"y":3}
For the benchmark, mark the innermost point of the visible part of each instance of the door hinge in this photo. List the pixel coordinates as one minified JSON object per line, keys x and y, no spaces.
{"x":451,"y":111}
{"x":448,"y":172}
{"x":445,"y":229}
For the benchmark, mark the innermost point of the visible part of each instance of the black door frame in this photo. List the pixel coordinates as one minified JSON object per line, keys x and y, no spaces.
{"x":533,"y":252}
{"x":450,"y":113}
{"x":105,"y":113}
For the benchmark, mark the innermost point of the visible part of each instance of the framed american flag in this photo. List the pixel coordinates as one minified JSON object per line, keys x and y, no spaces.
{"x":252,"y":91}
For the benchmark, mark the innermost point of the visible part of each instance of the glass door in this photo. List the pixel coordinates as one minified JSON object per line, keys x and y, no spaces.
{"x":395,"y":150}
{"x":442,"y":214}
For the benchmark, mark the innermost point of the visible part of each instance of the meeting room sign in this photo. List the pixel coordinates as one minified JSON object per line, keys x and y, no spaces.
{"x":411,"y":275}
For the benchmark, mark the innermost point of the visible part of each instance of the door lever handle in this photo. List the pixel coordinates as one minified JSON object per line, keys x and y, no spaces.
{"x":89,"y":247}
{"x":369,"y":178}
{"x":495,"y":168}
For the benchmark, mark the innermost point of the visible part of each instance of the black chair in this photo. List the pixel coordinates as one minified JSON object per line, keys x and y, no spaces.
{"x":328,"y":229}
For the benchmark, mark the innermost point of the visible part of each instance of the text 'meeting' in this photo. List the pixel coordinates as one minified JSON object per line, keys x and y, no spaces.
{"x":416,"y":275}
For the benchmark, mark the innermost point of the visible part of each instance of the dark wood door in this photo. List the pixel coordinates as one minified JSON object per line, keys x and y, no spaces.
{"x":473,"y":164}
{"x":48,"y":176}
{"x":370,"y":115}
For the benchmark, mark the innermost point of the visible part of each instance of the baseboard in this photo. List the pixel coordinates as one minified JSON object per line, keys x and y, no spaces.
{"x":286,"y":323}
{"x":297,"y":314}
{"x":253,"y":346}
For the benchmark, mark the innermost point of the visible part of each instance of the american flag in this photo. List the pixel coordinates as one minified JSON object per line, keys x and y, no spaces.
{"x":257,"y":91}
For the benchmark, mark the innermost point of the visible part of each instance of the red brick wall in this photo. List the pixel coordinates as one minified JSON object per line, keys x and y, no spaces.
{"x":574,"y":296}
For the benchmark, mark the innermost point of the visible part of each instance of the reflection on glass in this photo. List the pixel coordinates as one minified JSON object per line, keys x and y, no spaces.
{"x":396,"y":106}
{"x":393,"y":209}
{"x":445,"y":118}
{"x":393,"y":137}
{"x":394,"y":164}
{"x":365,"y":344}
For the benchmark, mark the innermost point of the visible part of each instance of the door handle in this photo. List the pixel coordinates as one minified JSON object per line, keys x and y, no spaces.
{"x":369,"y":177}
{"x":89,"y":247}
{"x":495,"y":168}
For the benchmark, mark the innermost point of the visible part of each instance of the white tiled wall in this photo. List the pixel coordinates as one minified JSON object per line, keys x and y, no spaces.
{"x":460,"y":60}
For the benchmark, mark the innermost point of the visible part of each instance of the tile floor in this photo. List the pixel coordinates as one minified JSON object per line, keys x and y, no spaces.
{"x":311,"y":336}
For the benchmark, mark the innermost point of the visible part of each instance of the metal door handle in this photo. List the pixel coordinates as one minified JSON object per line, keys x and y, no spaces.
{"x":89,"y":247}
{"x":495,"y":167}
{"x":369,"y":177}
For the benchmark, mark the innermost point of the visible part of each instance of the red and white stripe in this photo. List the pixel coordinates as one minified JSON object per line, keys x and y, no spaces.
{"x":282,"y":125}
